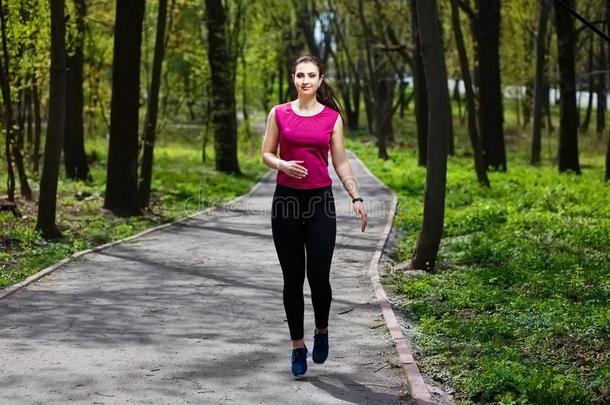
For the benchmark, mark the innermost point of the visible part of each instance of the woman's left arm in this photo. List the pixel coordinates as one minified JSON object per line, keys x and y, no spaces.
{"x":344,"y":170}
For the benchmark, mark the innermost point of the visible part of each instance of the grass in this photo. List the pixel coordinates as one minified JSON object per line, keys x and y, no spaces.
{"x":181,"y":185}
{"x":518,"y":311}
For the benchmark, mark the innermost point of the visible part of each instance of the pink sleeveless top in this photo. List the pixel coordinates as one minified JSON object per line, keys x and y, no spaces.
{"x":307,"y":139}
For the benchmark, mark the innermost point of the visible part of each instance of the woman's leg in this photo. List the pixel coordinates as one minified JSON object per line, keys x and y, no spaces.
{"x":287,"y":229}
{"x":320,"y":234}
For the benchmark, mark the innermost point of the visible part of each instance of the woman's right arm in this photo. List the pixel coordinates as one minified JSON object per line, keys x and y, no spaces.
{"x":270,"y":147}
{"x":271,"y":143}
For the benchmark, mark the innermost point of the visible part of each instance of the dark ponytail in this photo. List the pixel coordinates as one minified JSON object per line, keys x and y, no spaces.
{"x":326,"y":94}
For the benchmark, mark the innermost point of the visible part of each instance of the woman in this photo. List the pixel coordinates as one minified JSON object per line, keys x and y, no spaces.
{"x":303,"y":209}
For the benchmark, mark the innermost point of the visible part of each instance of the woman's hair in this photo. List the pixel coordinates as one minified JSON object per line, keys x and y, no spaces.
{"x":326,"y":94}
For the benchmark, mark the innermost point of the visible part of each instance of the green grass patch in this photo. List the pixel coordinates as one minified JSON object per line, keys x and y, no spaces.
{"x":182,"y":184}
{"x":518,"y":311}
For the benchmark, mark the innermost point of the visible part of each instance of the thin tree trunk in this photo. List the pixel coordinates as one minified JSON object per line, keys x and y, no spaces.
{"x":75,"y":159}
{"x":584,"y":127}
{"x":20,"y":116}
{"x":607,"y":177}
{"x":166,"y":84}
{"x":419,"y":87}
{"x":458,"y":99}
{"x":475,"y":141}
{"x":37,"y":128}
{"x":384,"y":87}
{"x":490,"y":93}
{"x":602,"y":93}
{"x":568,"y":127}
{"x":429,"y":238}
{"x":223,"y":92}
{"x":29,"y":109}
{"x":539,"y":81}
{"x":150,"y":123}
{"x":57,"y":109}
{"x":8,"y":110}
{"x":527,"y":102}
{"x":122,"y":173}
{"x":24,"y":186}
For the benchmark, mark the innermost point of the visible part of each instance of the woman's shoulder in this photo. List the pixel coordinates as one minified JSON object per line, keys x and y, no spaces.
{"x":280,"y":108}
{"x":333,"y":111}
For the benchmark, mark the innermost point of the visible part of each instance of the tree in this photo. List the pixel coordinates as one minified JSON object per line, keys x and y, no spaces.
{"x":539,"y":80}
{"x":150,"y":123}
{"x":419,"y":87}
{"x":601,"y":88}
{"x":6,"y":97}
{"x":475,"y":141}
{"x":75,"y":159}
{"x":486,"y":30}
{"x":429,"y":237}
{"x":224,"y":121}
{"x":122,"y":173}
{"x":568,"y":123}
{"x":57,"y":109}
{"x":13,"y":152}
{"x":607,"y":176}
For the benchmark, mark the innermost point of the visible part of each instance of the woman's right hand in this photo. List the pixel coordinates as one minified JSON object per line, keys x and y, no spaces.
{"x":293,"y":168}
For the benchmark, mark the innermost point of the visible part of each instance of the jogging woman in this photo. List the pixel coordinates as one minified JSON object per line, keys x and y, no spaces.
{"x":303,"y":219}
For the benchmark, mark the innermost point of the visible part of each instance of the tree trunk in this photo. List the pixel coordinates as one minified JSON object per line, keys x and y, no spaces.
{"x":602,"y":93}
{"x":57,"y":109}
{"x":568,"y":127}
{"x":429,"y":238}
{"x":584,"y":127}
{"x":528,"y":100}
{"x":75,"y":159}
{"x":353,"y":116}
{"x":539,"y":81}
{"x":607,"y":177}
{"x":17,"y":149}
{"x":384,"y":88}
{"x":475,"y":141}
{"x":419,"y":87}
{"x":20,"y":116}
{"x":150,"y":123}
{"x":490,"y":92}
{"x":348,"y":86}
{"x":458,"y":99}
{"x":8,"y":109}
{"x":223,"y":94}
{"x":37,"y":128}
{"x":29,"y":112}
{"x":122,"y":175}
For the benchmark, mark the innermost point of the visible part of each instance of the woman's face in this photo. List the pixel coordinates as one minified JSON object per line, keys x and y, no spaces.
{"x":307,"y":78}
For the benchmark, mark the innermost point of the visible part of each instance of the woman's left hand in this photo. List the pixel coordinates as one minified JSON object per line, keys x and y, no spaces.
{"x":360,"y":213}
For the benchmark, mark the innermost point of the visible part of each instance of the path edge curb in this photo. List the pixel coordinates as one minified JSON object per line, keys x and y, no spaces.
{"x":50,"y":269}
{"x":417,"y":387}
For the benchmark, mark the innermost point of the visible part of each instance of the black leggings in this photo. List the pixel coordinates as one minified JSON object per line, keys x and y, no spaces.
{"x":304,"y":219}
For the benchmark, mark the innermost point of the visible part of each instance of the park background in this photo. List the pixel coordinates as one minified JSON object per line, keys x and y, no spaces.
{"x":511,"y":158}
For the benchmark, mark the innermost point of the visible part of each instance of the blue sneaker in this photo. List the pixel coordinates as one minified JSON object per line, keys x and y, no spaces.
{"x":320,"y":348}
{"x":299,"y":361}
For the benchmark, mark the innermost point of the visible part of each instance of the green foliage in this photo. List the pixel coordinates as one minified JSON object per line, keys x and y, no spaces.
{"x":518,"y":312}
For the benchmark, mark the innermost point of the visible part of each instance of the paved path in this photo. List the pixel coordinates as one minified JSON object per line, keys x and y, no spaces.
{"x":193,"y":313}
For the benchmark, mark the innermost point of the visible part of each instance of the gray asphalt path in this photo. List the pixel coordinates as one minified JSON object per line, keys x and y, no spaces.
{"x":193,"y":314}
